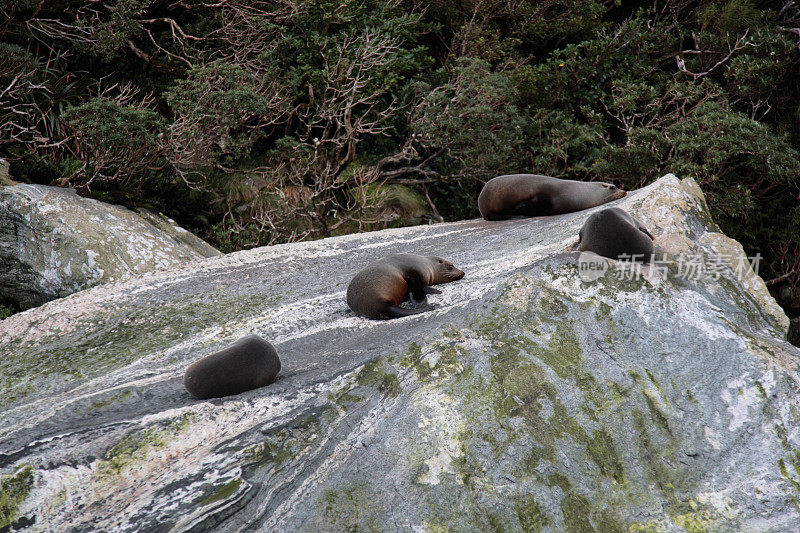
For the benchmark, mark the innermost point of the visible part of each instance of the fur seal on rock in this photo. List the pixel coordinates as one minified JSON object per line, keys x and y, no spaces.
{"x":614,"y":233}
{"x":378,"y":290}
{"x":249,"y":363}
{"x":531,"y":195}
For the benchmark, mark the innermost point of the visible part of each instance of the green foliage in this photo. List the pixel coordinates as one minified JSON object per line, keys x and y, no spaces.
{"x":105,"y":122}
{"x":116,"y":141}
{"x":6,"y":311}
{"x":717,"y":143}
{"x":564,"y":144}
{"x":731,"y":16}
{"x":474,"y":120}
{"x":217,"y":103}
{"x":497,"y":30}
{"x":389,"y":206}
{"x":119,"y":27}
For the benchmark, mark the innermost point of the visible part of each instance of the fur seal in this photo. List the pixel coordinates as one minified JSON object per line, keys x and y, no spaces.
{"x":378,"y":290}
{"x":531,"y":195}
{"x":614,"y":233}
{"x":247,"y":364}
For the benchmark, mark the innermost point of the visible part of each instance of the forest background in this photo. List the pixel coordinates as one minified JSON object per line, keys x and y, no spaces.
{"x":261,"y":122}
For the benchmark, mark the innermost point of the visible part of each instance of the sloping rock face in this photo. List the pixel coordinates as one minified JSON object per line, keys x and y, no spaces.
{"x":529,"y":400}
{"x":54,"y":243}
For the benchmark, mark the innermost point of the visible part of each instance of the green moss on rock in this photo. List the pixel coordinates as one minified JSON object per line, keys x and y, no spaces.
{"x":111,"y":400}
{"x":350,"y":508}
{"x":14,"y":488}
{"x":373,"y":374}
{"x":602,"y":452}
{"x":275,"y":451}
{"x":794,"y":462}
{"x":576,"y":510}
{"x":222,"y":493}
{"x":136,"y":446}
{"x":698,"y":518}
{"x":532,"y":518}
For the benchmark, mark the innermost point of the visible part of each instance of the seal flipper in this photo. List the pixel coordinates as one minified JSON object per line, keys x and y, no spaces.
{"x":416,"y":289}
{"x":527,"y":208}
{"x":428,"y":290}
{"x":419,"y":304}
{"x":394,"y":311}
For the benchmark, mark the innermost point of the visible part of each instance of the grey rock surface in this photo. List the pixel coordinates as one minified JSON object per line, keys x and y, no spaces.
{"x":530,"y":399}
{"x":54,"y":243}
{"x":5,"y":179}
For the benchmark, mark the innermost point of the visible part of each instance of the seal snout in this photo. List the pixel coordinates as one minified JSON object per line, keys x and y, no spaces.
{"x":457,"y":274}
{"x":620,"y":194}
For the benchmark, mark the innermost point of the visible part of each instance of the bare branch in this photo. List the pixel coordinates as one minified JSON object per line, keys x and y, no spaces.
{"x":740,"y":44}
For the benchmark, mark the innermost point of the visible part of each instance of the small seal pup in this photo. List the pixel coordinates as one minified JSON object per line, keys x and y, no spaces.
{"x":249,"y":363}
{"x":530,"y":195}
{"x":378,"y":290}
{"x":614,"y":233}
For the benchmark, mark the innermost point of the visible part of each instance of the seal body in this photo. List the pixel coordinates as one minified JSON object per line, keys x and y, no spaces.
{"x":378,"y":290}
{"x":531,"y":195}
{"x":615,"y":234}
{"x":249,"y":363}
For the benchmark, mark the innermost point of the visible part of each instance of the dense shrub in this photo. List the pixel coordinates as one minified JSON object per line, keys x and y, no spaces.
{"x":117,"y":143}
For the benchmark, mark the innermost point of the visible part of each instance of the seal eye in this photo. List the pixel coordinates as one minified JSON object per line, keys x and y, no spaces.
{"x":440,"y":261}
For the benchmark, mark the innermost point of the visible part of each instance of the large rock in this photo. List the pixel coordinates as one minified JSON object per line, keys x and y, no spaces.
{"x":5,"y":179}
{"x":54,"y":243}
{"x":528,"y":400}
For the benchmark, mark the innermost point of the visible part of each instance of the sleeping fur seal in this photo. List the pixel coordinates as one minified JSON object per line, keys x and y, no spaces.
{"x":530,"y":195}
{"x":249,"y":363}
{"x":616,"y":234}
{"x":378,"y":290}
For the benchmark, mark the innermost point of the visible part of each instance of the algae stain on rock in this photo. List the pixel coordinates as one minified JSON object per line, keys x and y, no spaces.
{"x":294,"y":440}
{"x":222,"y":493}
{"x":437,"y":360}
{"x":275,"y":451}
{"x":116,"y":398}
{"x":602,"y":452}
{"x":699,"y":518}
{"x":532,"y":519}
{"x":793,"y":479}
{"x":135,"y":447}
{"x":352,"y":507}
{"x":14,"y":488}
{"x":374,"y":375}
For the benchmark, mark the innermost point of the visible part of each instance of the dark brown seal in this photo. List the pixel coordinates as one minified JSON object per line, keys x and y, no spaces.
{"x":530,"y":195}
{"x":249,"y":363}
{"x":616,"y":234}
{"x":378,"y":290}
